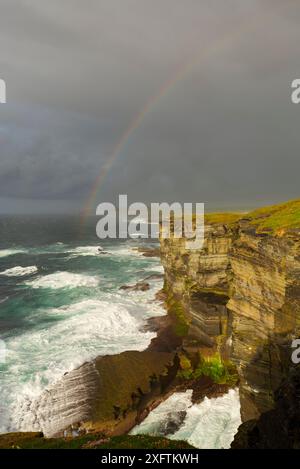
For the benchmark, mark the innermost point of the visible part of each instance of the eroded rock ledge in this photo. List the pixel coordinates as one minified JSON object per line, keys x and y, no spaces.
{"x":106,"y":395}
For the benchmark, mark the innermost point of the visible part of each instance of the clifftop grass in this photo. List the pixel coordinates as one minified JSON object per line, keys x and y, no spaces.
{"x":276,"y":218}
{"x":222,"y":218}
{"x":273,"y":219}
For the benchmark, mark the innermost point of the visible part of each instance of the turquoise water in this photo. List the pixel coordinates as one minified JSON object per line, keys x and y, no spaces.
{"x":61,"y":305}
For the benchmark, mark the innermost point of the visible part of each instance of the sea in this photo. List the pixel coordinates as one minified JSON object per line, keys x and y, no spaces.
{"x":61,"y":305}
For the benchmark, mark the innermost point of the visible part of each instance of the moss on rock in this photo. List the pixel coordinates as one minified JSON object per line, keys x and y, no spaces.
{"x":218,"y":370}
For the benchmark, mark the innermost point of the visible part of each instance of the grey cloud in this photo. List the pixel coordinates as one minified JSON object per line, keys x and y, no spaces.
{"x":78,"y":72}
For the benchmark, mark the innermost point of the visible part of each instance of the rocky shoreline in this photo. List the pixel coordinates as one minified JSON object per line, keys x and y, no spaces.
{"x":233,"y":309}
{"x":113,"y":393}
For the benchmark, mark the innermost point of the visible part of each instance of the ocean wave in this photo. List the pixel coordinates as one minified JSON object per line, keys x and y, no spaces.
{"x":64,"y":280}
{"x":126,"y":251}
{"x":156,"y":268}
{"x":19,"y":271}
{"x":10,"y":252}
{"x":40,"y":357}
{"x":94,"y":251}
{"x":85,"y":251}
{"x":211,"y":424}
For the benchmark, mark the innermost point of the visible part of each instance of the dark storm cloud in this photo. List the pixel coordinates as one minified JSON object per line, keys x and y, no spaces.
{"x":77,"y":73}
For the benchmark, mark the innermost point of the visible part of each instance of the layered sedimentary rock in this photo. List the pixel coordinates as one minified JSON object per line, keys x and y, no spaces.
{"x":240,"y":295}
{"x":107,"y":394}
{"x":235,"y":300}
{"x":197,"y":287}
{"x":265,"y":307}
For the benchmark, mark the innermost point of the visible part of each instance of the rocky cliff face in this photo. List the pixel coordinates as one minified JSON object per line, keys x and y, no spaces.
{"x":265,"y":307}
{"x":278,"y":428}
{"x":197,"y":286}
{"x":240,"y":296}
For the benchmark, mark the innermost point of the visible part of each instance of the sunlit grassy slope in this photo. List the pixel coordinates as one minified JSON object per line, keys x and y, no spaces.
{"x":275,"y":219}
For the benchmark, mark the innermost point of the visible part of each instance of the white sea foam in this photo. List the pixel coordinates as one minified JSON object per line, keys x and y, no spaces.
{"x":64,"y":280}
{"x":41,"y":356}
{"x":159,"y":419}
{"x":19,"y":271}
{"x":211,"y":424}
{"x":127,"y":251}
{"x":85,"y":251}
{"x":156,"y":268}
{"x":61,"y":339}
{"x":10,"y":252}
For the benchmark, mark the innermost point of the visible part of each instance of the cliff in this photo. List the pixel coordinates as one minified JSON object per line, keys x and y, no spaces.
{"x":278,"y":428}
{"x":239,"y":296}
{"x":233,"y":311}
{"x":197,"y":284}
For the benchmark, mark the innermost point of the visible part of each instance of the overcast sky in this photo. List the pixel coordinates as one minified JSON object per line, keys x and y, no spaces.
{"x":78,"y":72}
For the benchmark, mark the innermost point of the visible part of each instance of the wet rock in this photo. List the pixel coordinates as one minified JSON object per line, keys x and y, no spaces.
{"x":149,"y":252}
{"x":139,"y":286}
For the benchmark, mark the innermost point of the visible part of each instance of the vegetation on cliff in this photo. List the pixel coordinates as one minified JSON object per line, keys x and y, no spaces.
{"x":218,"y":370}
{"x":273,"y":219}
{"x":177,"y":313}
{"x":276,"y":218}
{"x":226,"y":218}
{"x":240,"y":295}
{"x":235,"y":300}
{"x":88,"y":441}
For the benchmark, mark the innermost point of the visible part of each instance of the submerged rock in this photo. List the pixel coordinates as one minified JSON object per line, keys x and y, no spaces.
{"x":139,"y":286}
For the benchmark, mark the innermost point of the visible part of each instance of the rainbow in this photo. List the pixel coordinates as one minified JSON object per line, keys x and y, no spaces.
{"x":180,"y":74}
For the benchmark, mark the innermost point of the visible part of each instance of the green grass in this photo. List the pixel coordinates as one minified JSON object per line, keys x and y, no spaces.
{"x":145,"y":442}
{"x":89,"y":441}
{"x":276,"y":218}
{"x":222,"y":218}
{"x":186,"y":370}
{"x":221,"y":372}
